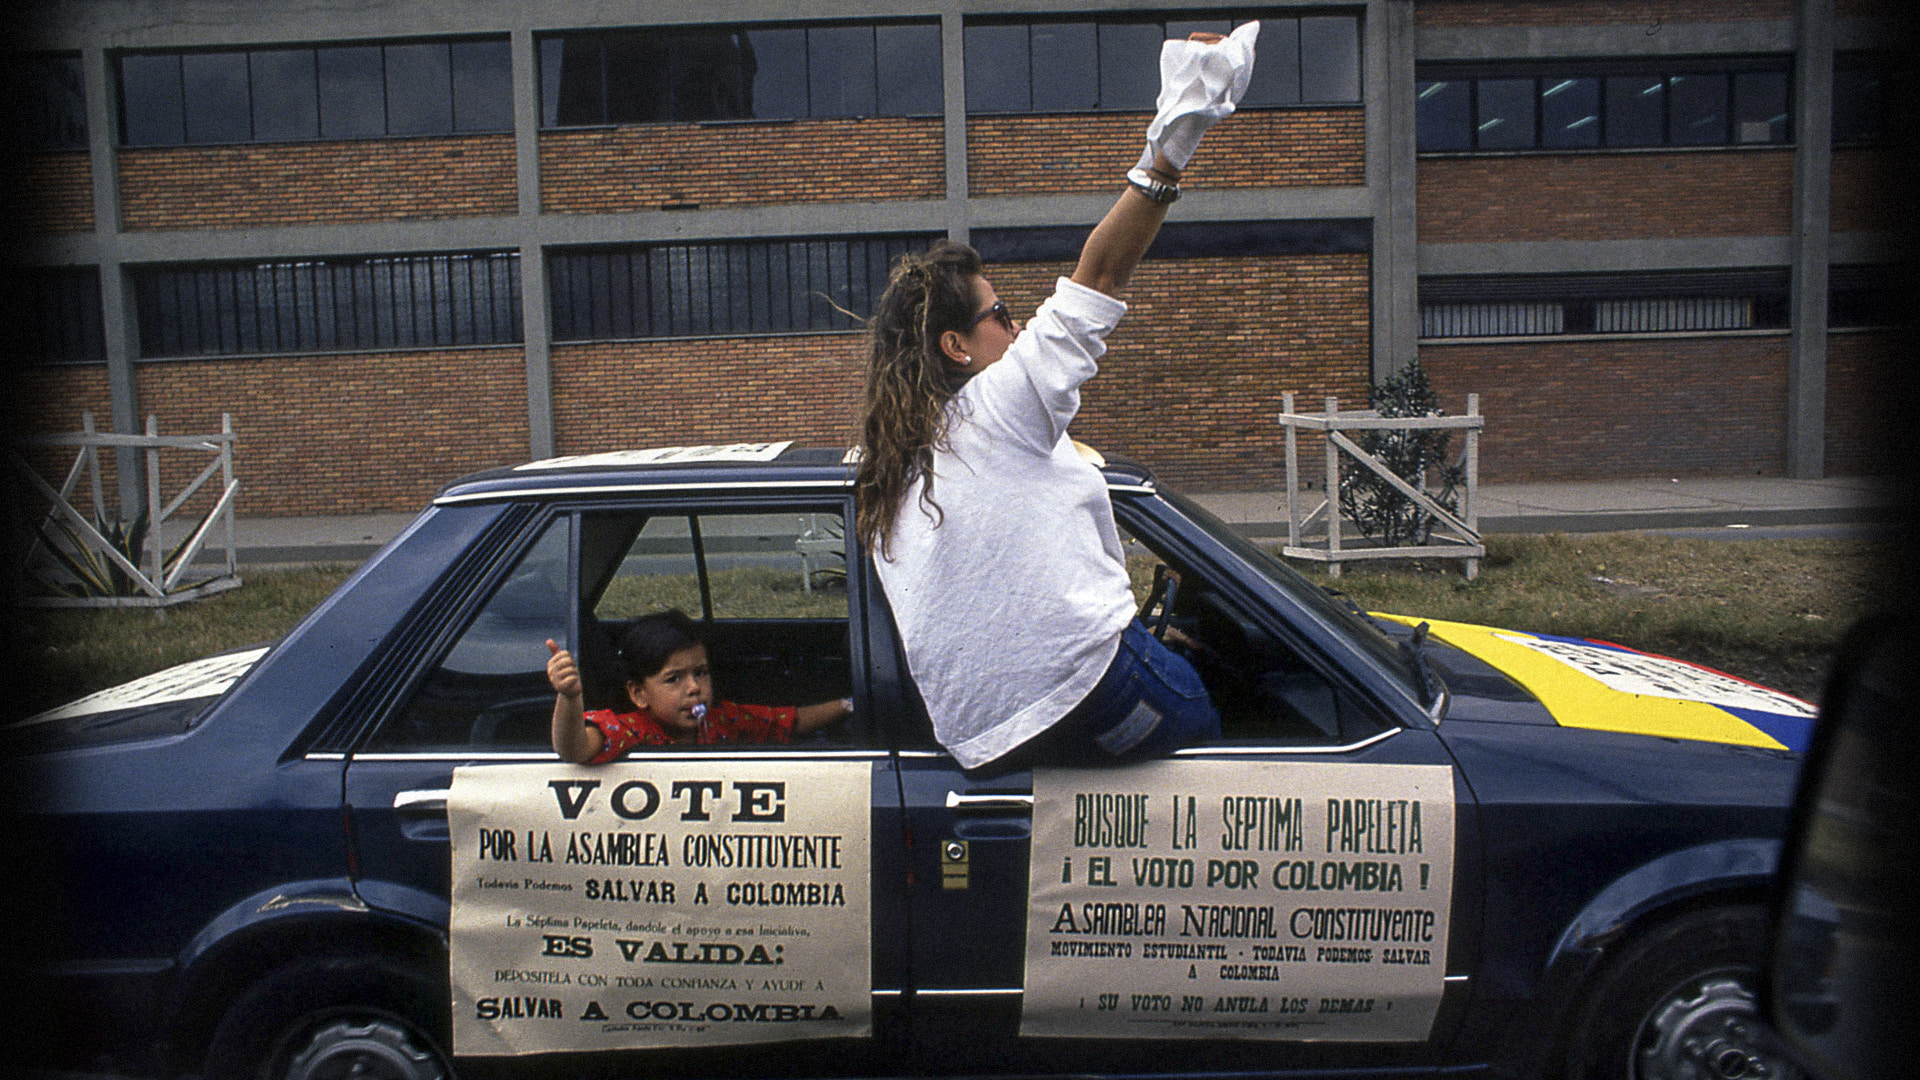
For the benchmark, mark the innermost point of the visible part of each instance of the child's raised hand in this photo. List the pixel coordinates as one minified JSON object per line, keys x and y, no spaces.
{"x":562,"y":673}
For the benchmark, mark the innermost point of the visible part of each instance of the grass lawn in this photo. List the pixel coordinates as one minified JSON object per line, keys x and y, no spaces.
{"x":1768,"y":610}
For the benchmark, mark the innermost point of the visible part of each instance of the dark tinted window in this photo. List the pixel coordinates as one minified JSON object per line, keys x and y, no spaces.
{"x":353,"y":101}
{"x":1329,"y":58}
{"x":1570,"y":113}
{"x":1443,"y":114}
{"x":1760,"y":107}
{"x":52,"y":99}
{"x":1859,"y":102}
{"x":218,"y":104}
{"x":331,"y":91}
{"x":909,"y":69}
{"x":1636,"y":110}
{"x":739,"y":73}
{"x":286,"y":97}
{"x":840,"y":71}
{"x":419,"y":89}
{"x":1085,"y":65}
{"x":1066,"y":68}
{"x":1503,"y":118}
{"x":1698,"y":105}
{"x":482,"y":86}
{"x":998,"y":76}
{"x":749,"y":287}
{"x":780,"y":71}
{"x":57,"y":316}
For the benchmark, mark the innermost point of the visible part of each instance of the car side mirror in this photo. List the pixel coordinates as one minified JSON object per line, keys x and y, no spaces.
{"x":1842,"y":971}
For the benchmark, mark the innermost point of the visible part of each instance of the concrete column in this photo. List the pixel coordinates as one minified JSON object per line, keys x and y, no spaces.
{"x":117,"y":320}
{"x":1390,"y":184}
{"x":1812,"y":188}
{"x":953,"y":67}
{"x":533,"y":271}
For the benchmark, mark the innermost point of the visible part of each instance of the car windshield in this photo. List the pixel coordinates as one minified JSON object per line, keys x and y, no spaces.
{"x":1330,"y":609}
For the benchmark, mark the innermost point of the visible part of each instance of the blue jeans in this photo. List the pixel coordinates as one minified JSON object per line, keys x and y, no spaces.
{"x":1149,"y":703}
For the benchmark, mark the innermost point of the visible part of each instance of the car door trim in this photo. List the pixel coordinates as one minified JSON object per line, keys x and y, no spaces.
{"x":551,"y":757}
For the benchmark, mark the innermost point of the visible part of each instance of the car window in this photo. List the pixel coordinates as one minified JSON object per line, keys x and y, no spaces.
{"x":490,"y":688}
{"x":770,"y":589}
{"x":1266,"y":692}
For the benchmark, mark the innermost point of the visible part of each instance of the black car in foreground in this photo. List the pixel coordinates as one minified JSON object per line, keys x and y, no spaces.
{"x":1414,"y":852}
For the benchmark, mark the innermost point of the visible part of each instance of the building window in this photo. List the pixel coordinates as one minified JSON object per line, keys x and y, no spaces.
{"x":1112,"y":64}
{"x":329,"y":305}
{"x":1859,"y":297}
{"x":1541,"y":306}
{"x":1860,"y":84}
{"x":324,"y":92}
{"x":57,"y":318}
{"x":816,"y":285}
{"x":51,"y":103}
{"x":688,"y":74}
{"x":1575,"y":109}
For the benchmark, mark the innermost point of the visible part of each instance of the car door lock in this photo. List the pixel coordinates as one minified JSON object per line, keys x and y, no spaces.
{"x":953,"y":864}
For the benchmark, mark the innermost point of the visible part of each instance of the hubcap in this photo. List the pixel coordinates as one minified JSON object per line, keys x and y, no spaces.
{"x":1707,"y":1030}
{"x":346,"y":1049}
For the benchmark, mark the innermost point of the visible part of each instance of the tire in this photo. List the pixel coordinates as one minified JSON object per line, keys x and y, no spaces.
{"x":329,"y":1018}
{"x":1677,"y":1003}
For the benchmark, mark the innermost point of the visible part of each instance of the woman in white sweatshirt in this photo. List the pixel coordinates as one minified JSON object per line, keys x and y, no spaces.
{"x":993,"y":538}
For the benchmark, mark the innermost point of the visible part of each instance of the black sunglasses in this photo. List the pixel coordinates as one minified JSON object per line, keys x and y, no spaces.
{"x":997,"y":311}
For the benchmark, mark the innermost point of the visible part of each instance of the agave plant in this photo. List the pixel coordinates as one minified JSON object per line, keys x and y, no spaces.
{"x":82,"y":570}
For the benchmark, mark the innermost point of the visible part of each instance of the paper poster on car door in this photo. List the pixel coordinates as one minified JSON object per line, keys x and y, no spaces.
{"x":656,"y":904}
{"x":1222,"y":900}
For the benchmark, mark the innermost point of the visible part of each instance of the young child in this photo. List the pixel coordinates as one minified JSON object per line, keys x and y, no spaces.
{"x":672,"y":694}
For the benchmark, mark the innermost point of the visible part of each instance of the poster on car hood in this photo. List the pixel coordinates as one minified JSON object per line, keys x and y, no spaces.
{"x":656,"y":904}
{"x":1228,"y":900}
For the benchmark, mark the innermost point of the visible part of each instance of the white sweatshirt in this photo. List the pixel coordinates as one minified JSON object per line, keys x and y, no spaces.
{"x":1011,"y":598}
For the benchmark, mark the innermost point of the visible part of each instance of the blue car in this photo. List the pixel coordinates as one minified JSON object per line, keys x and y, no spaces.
{"x":1418,"y":849}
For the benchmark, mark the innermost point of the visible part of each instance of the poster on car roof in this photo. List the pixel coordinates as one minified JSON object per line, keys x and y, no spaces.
{"x":1239,"y":900}
{"x":659,"y":904}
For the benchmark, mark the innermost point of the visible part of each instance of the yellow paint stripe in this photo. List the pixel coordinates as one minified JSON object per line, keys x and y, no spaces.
{"x":1577,"y":699}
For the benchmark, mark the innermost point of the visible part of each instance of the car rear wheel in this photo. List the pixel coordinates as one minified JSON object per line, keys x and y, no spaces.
{"x":333,"y":1018}
{"x":1677,"y":1004}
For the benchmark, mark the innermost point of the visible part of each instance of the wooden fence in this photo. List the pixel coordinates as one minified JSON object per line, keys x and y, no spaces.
{"x":1459,"y":534}
{"x":64,"y":533}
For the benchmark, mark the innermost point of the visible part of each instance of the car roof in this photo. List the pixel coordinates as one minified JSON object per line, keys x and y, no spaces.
{"x":762,"y":466}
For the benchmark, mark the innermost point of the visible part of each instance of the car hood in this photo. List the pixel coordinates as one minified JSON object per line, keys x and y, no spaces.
{"x":1601,"y":686}
{"x":166,"y":702}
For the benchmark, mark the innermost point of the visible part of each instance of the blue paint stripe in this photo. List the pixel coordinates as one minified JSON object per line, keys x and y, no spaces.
{"x":1792,"y":732}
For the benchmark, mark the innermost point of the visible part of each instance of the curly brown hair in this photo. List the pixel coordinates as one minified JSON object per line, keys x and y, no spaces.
{"x":910,"y":382}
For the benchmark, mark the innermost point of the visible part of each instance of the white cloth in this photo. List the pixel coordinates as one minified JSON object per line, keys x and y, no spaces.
{"x":1200,"y":85}
{"x":1010,"y":600}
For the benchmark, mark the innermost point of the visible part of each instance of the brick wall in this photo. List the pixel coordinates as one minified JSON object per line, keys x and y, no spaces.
{"x":347,"y":434}
{"x":56,"y":192}
{"x":1193,"y":376}
{"x":1615,"y":409}
{"x":1863,"y":196}
{"x":625,"y":394}
{"x":1594,"y":12}
{"x":1860,"y":417}
{"x":47,"y":399}
{"x":650,"y":166}
{"x":1604,"y":196}
{"x":1043,"y":155}
{"x":190,"y":187}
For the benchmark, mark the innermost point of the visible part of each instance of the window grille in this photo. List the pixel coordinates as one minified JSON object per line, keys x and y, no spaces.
{"x":324,"y":305}
{"x":1491,"y":320}
{"x":696,"y":290}
{"x":1676,"y":313}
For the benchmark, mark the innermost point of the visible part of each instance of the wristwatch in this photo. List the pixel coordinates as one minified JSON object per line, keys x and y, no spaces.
{"x":1159,"y":192}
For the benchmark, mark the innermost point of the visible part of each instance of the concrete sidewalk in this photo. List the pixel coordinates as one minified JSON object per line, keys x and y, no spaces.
{"x":1609,"y":506}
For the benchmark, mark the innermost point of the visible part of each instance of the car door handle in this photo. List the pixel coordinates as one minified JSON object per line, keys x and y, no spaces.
{"x":424,"y":801}
{"x":989,"y":803}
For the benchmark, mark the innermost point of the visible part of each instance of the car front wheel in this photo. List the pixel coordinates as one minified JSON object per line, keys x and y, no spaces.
{"x":333,"y":1018}
{"x":1677,"y":1004}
